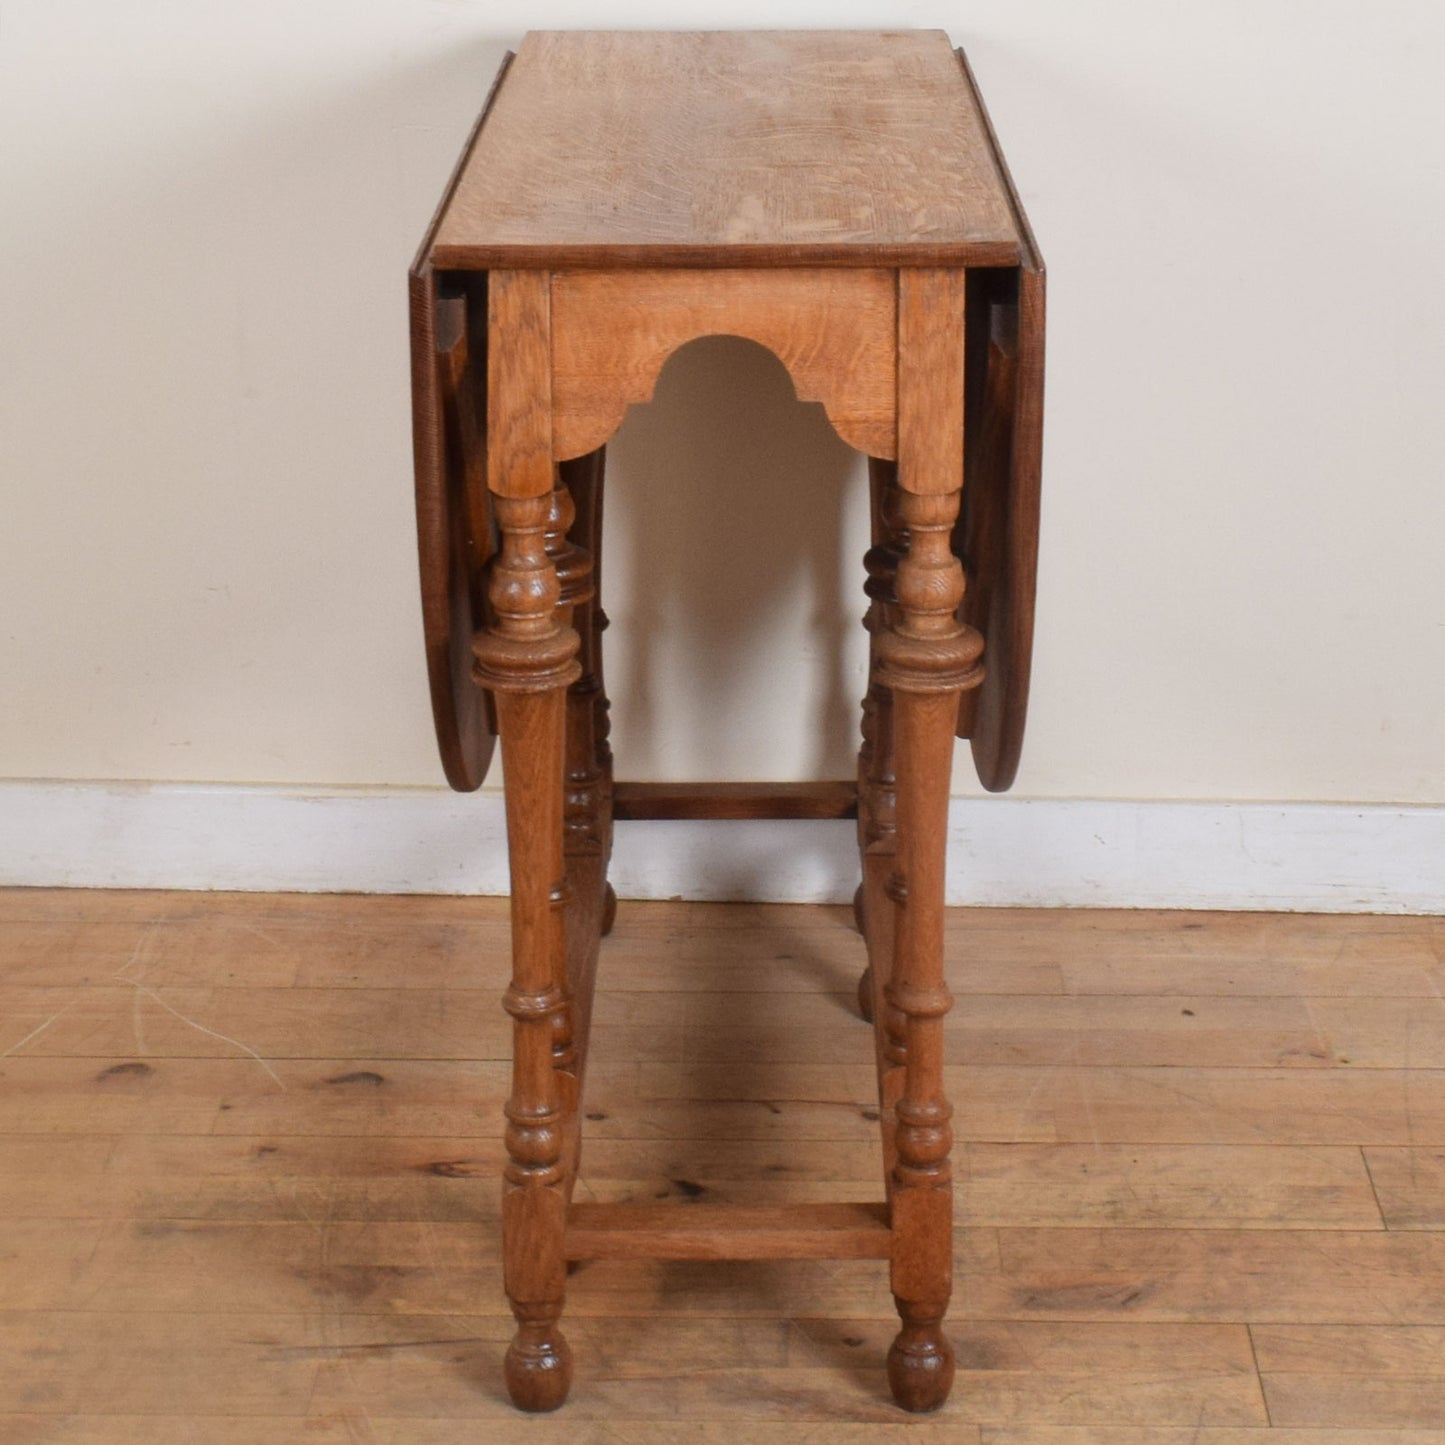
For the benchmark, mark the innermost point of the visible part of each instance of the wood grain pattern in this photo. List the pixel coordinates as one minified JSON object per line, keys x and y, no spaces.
{"x":997,"y":536}
{"x":377,"y":1377}
{"x":528,"y":658}
{"x":218,"y":940}
{"x":998,"y":531}
{"x":1280,"y":1276}
{"x":1174,"y":1186}
{"x":930,"y":381}
{"x":1359,"y":947}
{"x":197,"y":1249}
{"x":342,"y":1425}
{"x":454,"y":534}
{"x":1351,"y":1375}
{"x":378,"y":1178}
{"x":1082,"y":1275}
{"x":1111,"y":1434}
{"x":728,"y":1231}
{"x":762,"y":147}
{"x":519,"y":384}
{"x":1410,"y":1185}
{"x":925,"y":658}
{"x":1229,"y":1101}
{"x":834,"y":330}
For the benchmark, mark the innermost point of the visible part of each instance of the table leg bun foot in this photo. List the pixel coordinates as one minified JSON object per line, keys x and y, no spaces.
{"x":920,"y":1367}
{"x":538,"y":1368}
{"x":609,"y":909}
{"x":865,"y":994}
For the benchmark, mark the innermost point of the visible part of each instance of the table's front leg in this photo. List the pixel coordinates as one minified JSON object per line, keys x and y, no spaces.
{"x":926,"y":657}
{"x":528,"y":658}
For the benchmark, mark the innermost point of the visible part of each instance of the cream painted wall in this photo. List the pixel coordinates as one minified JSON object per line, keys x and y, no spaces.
{"x":206,"y":558}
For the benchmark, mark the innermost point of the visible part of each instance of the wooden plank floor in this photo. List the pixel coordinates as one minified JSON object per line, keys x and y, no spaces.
{"x":249,"y":1148}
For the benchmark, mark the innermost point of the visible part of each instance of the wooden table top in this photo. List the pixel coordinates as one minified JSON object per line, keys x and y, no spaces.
{"x":608,"y":148}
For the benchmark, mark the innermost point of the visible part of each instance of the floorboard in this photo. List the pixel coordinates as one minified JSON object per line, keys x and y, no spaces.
{"x":249,"y":1147}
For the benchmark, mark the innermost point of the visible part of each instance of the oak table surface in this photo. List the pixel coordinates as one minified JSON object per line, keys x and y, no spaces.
{"x":757,"y":147}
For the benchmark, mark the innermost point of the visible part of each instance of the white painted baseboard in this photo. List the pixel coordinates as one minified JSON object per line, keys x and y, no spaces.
{"x":1327,"y":857}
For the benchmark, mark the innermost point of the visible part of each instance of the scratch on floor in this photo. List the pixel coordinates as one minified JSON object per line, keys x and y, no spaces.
{"x":37,"y":1030}
{"x":225,"y":1038}
{"x":135,"y":956}
{"x":135,"y":1023}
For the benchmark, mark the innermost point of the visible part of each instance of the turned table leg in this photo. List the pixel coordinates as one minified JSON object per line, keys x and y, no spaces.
{"x":926,"y":657}
{"x":528,"y":660}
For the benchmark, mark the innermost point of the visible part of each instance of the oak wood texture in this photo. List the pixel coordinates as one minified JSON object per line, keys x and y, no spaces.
{"x":998,"y":528}
{"x":453,"y":512}
{"x":836,"y":331}
{"x":925,"y":658}
{"x":587,"y":784}
{"x":1175,"y":1253}
{"x":930,"y":380}
{"x":729,"y":1231}
{"x":529,"y":659}
{"x":731,"y":148}
{"x":519,"y":385}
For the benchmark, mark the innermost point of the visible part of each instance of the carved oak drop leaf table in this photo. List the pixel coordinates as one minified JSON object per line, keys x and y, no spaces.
{"x":839,"y":198}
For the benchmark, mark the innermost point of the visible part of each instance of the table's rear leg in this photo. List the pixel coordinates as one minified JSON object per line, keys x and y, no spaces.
{"x":867,"y":750}
{"x":877,"y":809}
{"x":573,"y":541}
{"x":528,"y":658}
{"x":589,"y":758}
{"x":876,"y":783}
